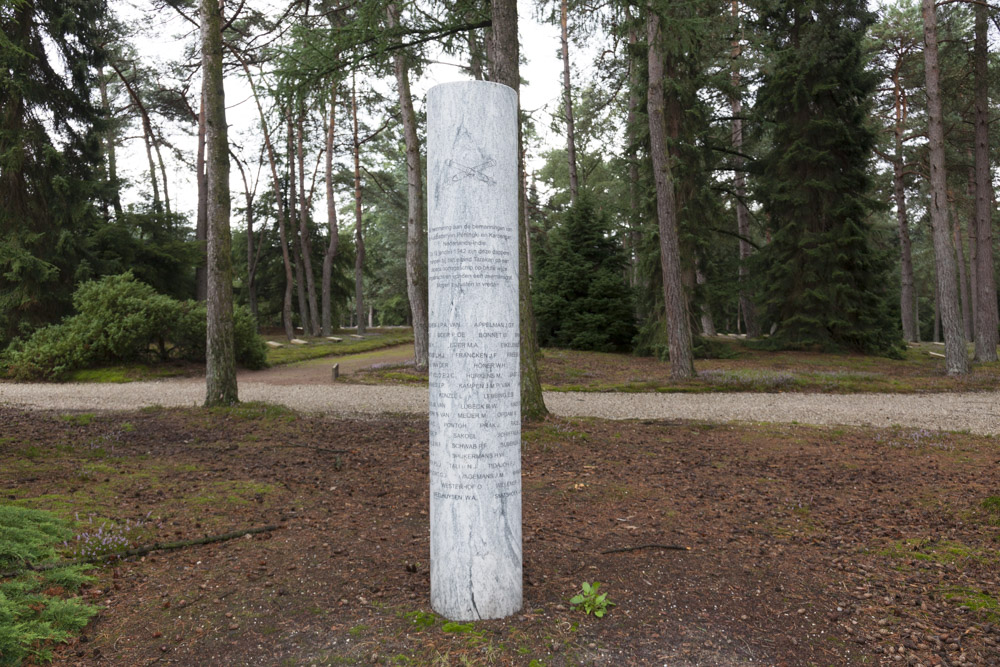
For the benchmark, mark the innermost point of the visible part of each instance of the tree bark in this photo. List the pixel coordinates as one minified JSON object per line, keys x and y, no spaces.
{"x":359,"y":239}
{"x":109,"y":149}
{"x":632,"y":153}
{"x":678,"y":328}
{"x":747,"y":306}
{"x":503,"y":47}
{"x":416,"y":278}
{"x":963,"y":278}
{"x":331,"y":217}
{"x":295,"y":242}
{"x":574,"y":181}
{"x":956,"y":359}
{"x":907,"y":296}
{"x":220,"y":349}
{"x":986,"y":293}
{"x":304,"y":205}
{"x":251,"y":257}
{"x":201,"y":224}
{"x":707,"y":323}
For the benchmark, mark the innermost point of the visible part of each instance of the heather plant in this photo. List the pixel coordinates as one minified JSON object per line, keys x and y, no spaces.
{"x":105,"y":540}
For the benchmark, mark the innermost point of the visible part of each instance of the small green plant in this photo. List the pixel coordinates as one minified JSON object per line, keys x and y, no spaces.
{"x":421,"y":619}
{"x":590,"y":601}
{"x":992,"y":507}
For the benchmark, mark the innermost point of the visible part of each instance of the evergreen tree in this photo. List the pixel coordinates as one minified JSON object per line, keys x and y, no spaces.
{"x":581,"y":297}
{"x":49,"y":144}
{"x":826,"y":280}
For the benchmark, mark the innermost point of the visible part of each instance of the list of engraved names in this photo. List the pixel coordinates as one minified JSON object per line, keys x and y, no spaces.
{"x":475,"y":433}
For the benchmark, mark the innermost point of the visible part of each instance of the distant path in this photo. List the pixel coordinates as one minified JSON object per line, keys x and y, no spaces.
{"x":975,"y":412}
{"x":318,"y":371}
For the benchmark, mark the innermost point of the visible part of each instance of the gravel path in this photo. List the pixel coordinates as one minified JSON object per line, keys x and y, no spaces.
{"x":975,"y":412}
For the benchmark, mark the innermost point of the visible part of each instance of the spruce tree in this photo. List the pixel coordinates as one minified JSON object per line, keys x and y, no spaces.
{"x":49,"y":146}
{"x":826,"y":280}
{"x":582,"y":300}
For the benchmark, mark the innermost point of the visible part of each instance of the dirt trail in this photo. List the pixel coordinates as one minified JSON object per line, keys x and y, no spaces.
{"x":319,"y":371}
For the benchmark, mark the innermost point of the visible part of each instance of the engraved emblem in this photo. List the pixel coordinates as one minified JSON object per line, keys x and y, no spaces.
{"x":478,"y":172}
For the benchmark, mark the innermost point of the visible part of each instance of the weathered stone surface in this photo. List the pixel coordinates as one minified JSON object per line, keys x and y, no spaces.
{"x":475,"y":427}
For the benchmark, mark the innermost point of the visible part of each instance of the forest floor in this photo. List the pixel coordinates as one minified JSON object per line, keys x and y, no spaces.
{"x":804,"y":545}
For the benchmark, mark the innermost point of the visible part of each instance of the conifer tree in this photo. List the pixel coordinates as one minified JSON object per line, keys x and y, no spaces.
{"x":825,"y":279}
{"x":50,"y":59}
{"x":581,"y":298}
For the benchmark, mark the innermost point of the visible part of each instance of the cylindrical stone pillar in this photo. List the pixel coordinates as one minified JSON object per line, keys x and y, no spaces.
{"x":475,"y":396}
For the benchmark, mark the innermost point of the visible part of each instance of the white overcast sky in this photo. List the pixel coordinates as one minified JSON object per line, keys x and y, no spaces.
{"x":166,"y":37}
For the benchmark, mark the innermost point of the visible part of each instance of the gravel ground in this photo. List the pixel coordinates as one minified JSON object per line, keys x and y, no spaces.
{"x":974,"y":412}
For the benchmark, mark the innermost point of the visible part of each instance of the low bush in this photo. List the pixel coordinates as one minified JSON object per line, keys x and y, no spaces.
{"x":120,"y":319}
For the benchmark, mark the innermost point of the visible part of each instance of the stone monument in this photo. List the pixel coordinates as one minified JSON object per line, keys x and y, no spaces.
{"x":474,"y":350}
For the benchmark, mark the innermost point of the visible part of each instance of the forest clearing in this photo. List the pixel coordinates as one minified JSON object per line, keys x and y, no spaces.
{"x":514,"y":332}
{"x":802,"y":545}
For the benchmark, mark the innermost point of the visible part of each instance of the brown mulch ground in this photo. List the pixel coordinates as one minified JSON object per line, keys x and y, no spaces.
{"x":744,"y":369}
{"x":808,"y":546}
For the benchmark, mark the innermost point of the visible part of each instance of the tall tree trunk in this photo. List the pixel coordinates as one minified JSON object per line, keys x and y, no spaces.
{"x":632,"y":153}
{"x":304,"y":206}
{"x":109,"y":149}
{"x":416,"y":278}
{"x":747,"y":305}
{"x":963,"y":278}
{"x":986,"y":291}
{"x":956,"y":358}
{"x":678,"y":328}
{"x":359,"y":238}
{"x":220,"y":348}
{"x":295,"y":242}
{"x":907,"y":296}
{"x":163,"y":175}
{"x":707,"y":324}
{"x":971,"y":233}
{"x":331,"y":217}
{"x":527,"y":217}
{"x":475,"y":55}
{"x":504,"y":50}
{"x":936,"y":334}
{"x":574,"y":181}
{"x":286,"y":307}
{"x":201,"y":224}
{"x":251,"y":256}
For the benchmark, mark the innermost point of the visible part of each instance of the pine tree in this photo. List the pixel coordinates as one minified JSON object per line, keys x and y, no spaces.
{"x":581,"y":297}
{"x":826,"y":279}
{"x":50,"y":59}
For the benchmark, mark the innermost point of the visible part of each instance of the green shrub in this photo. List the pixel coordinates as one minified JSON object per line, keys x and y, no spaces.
{"x":120,"y":319}
{"x":189,"y":332}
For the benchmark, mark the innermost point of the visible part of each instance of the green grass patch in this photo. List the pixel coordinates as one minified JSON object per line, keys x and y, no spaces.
{"x":231,"y":493}
{"x":82,"y":419}
{"x":977,"y":601}
{"x":123,"y":373}
{"x":255,"y":411}
{"x":35,"y":609}
{"x":944,"y":552}
{"x":991,"y":506}
{"x":321,"y":347}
